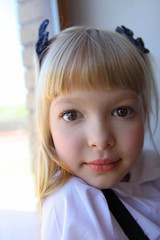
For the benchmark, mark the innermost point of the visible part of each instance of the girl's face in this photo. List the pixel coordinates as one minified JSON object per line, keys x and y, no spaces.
{"x":98,"y":134}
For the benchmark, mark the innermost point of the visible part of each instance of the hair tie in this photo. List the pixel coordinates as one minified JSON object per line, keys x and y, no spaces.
{"x":138,"y":43}
{"x":43,"y":42}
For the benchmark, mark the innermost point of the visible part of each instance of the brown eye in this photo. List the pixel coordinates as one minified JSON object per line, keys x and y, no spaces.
{"x":124,"y":112}
{"x":70,"y":115}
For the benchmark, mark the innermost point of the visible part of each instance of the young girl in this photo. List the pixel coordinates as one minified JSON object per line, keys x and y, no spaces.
{"x":94,"y":103}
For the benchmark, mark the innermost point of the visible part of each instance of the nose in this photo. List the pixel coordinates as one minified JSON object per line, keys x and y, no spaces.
{"x":101,"y":135}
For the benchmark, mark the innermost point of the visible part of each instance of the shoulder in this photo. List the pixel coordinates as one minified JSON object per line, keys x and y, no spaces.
{"x":73,"y":192}
{"x":77,"y":211}
{"x":147,"y":168}
{"x":68,"y":211}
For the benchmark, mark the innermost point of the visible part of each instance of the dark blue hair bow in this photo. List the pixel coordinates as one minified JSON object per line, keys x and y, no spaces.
{"x":43,"y":42}
{"x":136,"y":42}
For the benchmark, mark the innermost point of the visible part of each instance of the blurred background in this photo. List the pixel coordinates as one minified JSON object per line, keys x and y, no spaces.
{"x":18,"y":202}
{"x":19,"y":22}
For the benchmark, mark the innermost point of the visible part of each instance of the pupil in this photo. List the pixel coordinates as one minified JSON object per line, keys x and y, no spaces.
{"x":72,"y":116}
{"x":122,"y":112}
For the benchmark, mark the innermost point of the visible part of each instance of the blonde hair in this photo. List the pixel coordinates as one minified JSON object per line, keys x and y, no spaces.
{"x":85,"y":58}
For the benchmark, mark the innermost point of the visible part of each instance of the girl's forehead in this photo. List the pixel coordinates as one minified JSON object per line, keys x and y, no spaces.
{"x":114,"y":94}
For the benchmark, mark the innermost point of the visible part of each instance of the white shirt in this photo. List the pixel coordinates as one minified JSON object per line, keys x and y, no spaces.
{"x":80,"y":212}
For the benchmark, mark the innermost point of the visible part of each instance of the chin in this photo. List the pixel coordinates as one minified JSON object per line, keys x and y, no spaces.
{"x":103,"y":184}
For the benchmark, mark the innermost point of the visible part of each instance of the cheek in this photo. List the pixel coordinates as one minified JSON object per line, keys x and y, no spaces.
{"x":67,"y":144}
{"x":134,"y":138}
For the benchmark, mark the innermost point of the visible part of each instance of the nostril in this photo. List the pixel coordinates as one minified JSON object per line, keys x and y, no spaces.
{"x":93,"y":145}
{"x":102,"y":147}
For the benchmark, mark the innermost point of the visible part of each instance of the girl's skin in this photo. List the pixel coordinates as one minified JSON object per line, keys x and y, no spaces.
{"x":98,"y":135}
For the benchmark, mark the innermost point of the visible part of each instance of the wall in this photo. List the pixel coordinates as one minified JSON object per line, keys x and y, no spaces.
{"x":141,"y":16}
{"x":31,"y":13}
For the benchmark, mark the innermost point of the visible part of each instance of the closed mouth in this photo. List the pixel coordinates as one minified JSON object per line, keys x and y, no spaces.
{"x":101,"y":165}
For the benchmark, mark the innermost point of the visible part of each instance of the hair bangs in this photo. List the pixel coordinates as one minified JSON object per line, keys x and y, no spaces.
{"x":93,"y":60}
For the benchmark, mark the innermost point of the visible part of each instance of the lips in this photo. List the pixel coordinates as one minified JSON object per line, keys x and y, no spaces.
{"x":103,"y":165}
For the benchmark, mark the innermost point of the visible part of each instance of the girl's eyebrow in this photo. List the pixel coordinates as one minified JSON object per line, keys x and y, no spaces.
{"x":77,"y":99}
{"x":128,"y":97}
{"x":65,"y":100}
